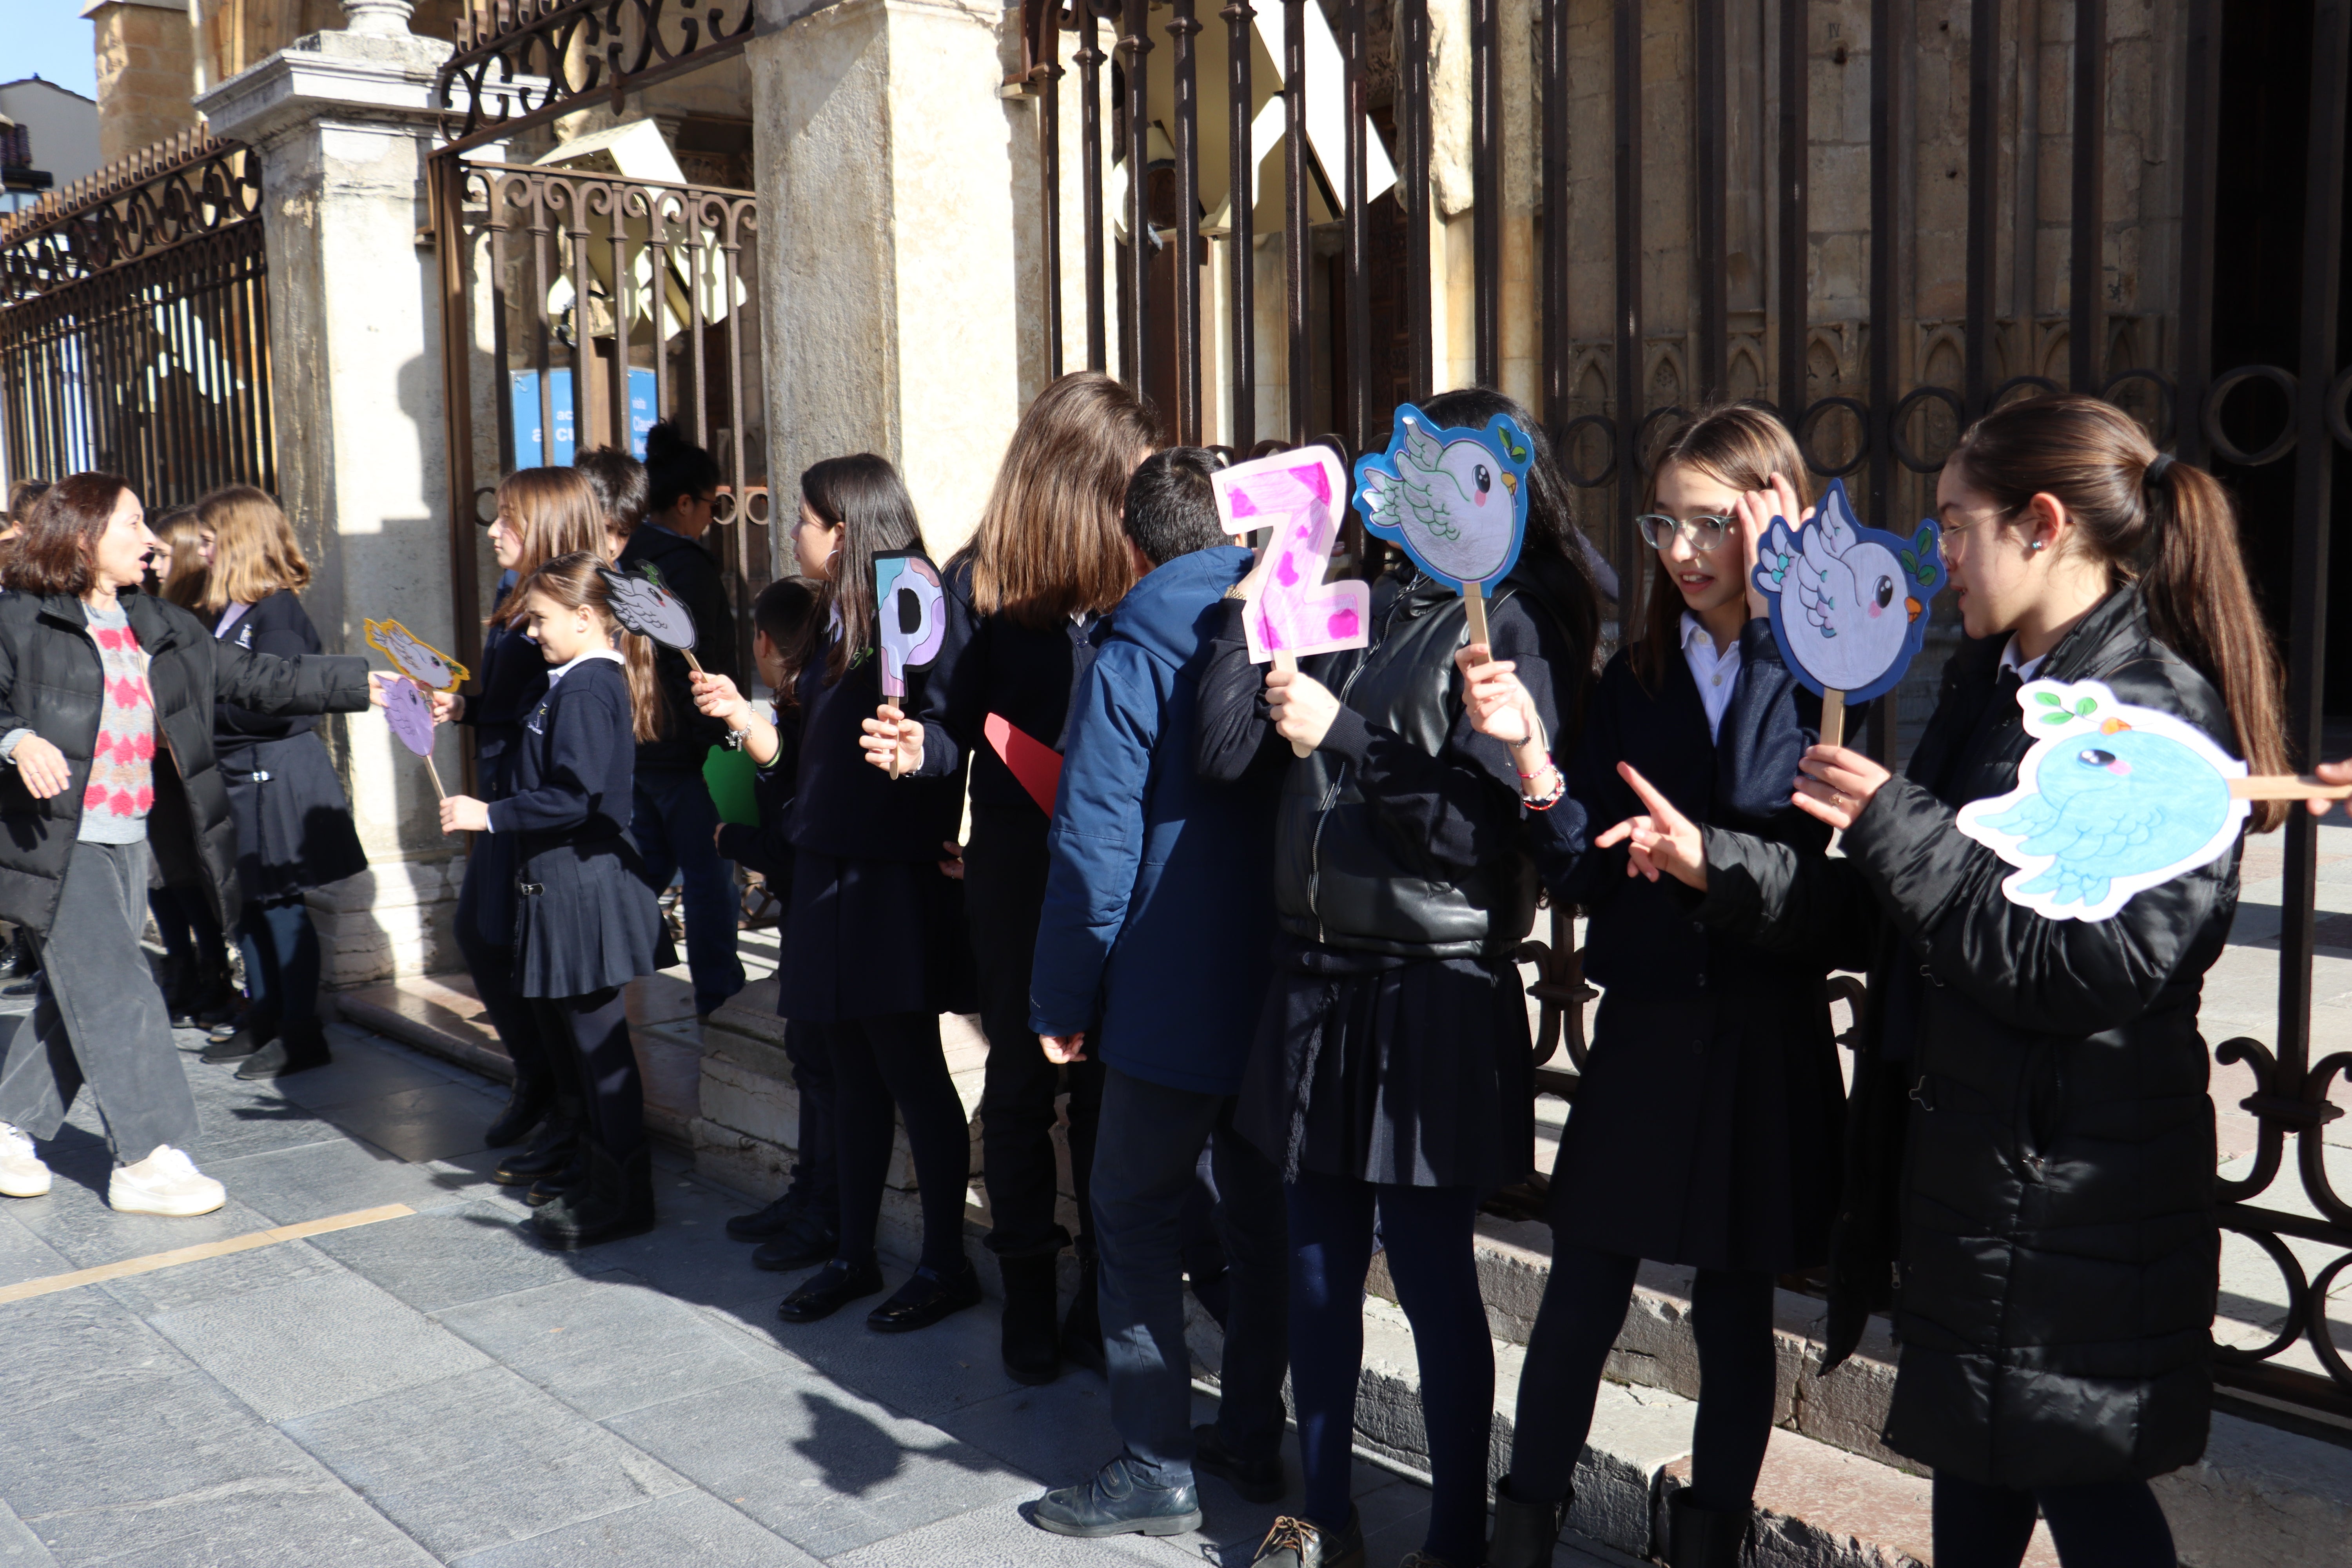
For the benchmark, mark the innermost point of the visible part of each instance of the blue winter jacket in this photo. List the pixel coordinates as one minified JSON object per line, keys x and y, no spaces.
{"x":1158,"y":934}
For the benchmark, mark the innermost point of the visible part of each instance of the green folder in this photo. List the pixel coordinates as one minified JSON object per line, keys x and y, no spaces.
{"x":730,"y":778}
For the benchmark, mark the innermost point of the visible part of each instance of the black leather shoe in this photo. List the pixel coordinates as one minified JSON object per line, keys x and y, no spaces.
{"x":1706,"y":1537}
{"x":810,"y":1242}
{"x":924,"y":1300}
{"x":1525,"y":1532}
{"x":1301,"y":1543}
{"x":1030,"y":1342}
{"x":1082,"y":1326}
{"x":555,"y":1184}
{"x":242,"y":1042}
{"x":829,"y":1290}
{"x":301,"y":1048}
{"x":1257,"y":1481}
{"x":1118,"y":1501}
{"x":614,"y":1199}
{"x":770,"y":1222}
{"x":527,"y":1105}
{"x":554,"y":1148}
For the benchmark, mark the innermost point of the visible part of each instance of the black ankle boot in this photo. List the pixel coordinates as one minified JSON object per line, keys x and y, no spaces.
{"x":1525,"y":1532}
{"x":1706,"y":1537}
{"x":1082,"y":1328}
{"x":528,"y":1103}
{"x":1032,"y":1343}
{"x":300,"y":1048}
{"x":554,"y":1148}
{"x":614,"y":1200}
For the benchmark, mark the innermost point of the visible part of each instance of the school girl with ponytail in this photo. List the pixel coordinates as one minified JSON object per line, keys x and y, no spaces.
{"x":586,"y":921}
{"x":2029,"y":1135}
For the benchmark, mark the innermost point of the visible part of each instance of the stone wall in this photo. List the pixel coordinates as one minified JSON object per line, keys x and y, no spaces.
{"x":146,"y":71}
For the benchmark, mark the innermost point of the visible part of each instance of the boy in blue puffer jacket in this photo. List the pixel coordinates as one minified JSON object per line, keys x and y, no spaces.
{"x":1153,"y":952}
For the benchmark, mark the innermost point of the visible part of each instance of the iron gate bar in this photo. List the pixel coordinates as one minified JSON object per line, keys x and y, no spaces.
{"x":497,"y":48}
{"x":2200,"y":160}
{"x":2086,"y":260}
{"x":1796,"y":174}
{"x":1241,"y":231}
{"x":1886,"y":111}
{"x":1710,"y":84}
{"x":1090,"y":57}
{"x":1627,"y":40}
{"x":1181,"y":28}
{"x":1135,"y":276}
{"x":1041,"y":39}
{"x":1551,"y":305}
{"x":1297,"y":376}
{"x":1486,"y":201}
{"x":1984,"y":222}
{"x":1413,"y":192}
{"x":1354,"y":232}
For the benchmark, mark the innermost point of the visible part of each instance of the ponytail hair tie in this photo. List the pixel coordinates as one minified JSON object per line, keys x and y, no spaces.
{"x":2156,"y":470}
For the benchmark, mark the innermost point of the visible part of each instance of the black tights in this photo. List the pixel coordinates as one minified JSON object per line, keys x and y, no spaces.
{"x":2108,"y":1524}
{"x":879,"y":1063}
{"x":1584,"y":1308}
{"x":602,"y":1063}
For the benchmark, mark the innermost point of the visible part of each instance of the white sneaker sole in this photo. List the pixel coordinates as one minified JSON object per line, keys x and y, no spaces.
{"x":14,"y":1185}
{"x":182,"y":1206}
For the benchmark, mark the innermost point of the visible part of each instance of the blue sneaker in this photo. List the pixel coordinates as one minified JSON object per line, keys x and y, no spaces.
{"x":1119,"y":1501}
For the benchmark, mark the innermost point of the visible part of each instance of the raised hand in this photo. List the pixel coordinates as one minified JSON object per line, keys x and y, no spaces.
{"x":1757,"y":511}
{"x":715,"y":695}
{"x":1498,"y":706}
{"x":1303,"y":707}
{"x":2330,"y":772}
{"x":448,"y":707}
{"x":1661,"y":840}
{"x":892,"y":741}
{"x":464,"y":813}
{"x":1834,"y":784}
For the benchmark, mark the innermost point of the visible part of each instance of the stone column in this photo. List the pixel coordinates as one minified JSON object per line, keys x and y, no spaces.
{"x":146,"y":68}
{"x":895,"y":277}
{"x":344,"y":131}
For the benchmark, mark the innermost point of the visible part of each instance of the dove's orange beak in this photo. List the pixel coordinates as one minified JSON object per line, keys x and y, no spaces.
{"x":1511,"y":481}
{"x":1912,"y":607}
{"x":2112,"y":725}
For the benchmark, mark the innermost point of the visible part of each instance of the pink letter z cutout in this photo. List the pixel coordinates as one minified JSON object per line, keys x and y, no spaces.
{"x":1300,"y":496}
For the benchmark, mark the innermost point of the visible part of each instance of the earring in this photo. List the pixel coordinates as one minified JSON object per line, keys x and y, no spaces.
{"x":2036,"y":546}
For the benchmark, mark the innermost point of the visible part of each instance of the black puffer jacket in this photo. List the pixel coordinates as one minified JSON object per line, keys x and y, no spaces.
{"x":2028,"y":1131}
{"x":51,"y":682}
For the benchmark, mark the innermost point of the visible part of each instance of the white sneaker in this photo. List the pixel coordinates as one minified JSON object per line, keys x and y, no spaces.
{"x":22,"y":1175}
{"x":165,"y":1182}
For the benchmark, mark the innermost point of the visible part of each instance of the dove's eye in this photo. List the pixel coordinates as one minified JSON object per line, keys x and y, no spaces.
{"x":1886,"y":592}
{"x":2092,"y":757}
{"x":1486,"y":479}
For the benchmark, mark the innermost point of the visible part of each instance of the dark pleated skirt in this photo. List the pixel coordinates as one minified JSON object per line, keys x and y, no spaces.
{"x":1705,"y":1133}
{"x":593,"y":922}
{"x":863,"y":939}
{"x":294,"y":827}
{"x":1416,"y":1072}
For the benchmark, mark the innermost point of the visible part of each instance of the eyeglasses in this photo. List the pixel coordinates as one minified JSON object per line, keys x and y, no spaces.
{"x":1703,"y":533}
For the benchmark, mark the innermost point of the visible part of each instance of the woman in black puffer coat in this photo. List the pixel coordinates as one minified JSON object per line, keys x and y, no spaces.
{"x":2029,"y":1135}
{"x":294,"y":827}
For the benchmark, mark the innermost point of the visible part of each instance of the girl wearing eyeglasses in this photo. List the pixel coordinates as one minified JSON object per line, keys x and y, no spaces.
{"x":1705,"y":1132}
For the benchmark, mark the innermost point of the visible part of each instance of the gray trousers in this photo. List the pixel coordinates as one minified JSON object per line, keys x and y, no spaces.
{"x":99,"y":1018}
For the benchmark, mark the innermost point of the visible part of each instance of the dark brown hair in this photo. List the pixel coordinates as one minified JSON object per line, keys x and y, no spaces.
{"x":1049,"y":545}
{"x":619,"y":481}
{"x":572,"y":581}
{"x":2175,"y":538}
{"x":557,"y":514}
{"x":53,"y":554}
{"x":863,"y":496}
{"x":1743,"y":446}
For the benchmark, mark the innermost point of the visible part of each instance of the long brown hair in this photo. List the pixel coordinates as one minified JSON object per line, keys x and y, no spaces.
{"x":557,"y":514}
{"x":1741,"y":445}
{"x":1049,"y":545}
{"x":54,"y":552}
{"x":2175,"y":537}
{"x":183,"y":575}
{"x":863,"y":496}
{"x":255,"y":553}
{"x":572,"y":581}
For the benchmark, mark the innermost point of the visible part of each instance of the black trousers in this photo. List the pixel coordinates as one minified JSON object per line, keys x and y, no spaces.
{"x":1584,"y":1308}
{"x":595,"y":1028}
{"x":816,"y":1164}
{"x":879,"y":1065}
{"x":519,"y":1024}
{"x":1003,"y":890}
{"x":2108,"y":1524}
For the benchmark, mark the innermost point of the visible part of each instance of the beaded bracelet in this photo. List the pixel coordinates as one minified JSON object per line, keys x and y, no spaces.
{"x":1559,"y":787}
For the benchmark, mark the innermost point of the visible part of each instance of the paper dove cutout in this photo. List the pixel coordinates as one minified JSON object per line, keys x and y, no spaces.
{"x":911,"y":609}
{"x":1295,"y":612}
{"x":410,"y":713}
{"x":641,"y":604}
{"x":2111,"y":800}
{"x":1849,"y":603}
{"x":422,"y":663}
{"x":1456,"y":499}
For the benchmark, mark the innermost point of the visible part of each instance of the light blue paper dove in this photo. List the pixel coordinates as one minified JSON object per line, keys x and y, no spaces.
{"x":1454,"y":498}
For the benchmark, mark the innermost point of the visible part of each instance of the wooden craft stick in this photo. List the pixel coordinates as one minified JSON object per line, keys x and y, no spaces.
{"x":435,"y":775}
{"x":887,"y":700}
{"x":1288,"y":664}
{"x":1832,"y":718}
{"x":2286,"y":786}
{"x":692,"y":663}
{"x":1474,"y":602}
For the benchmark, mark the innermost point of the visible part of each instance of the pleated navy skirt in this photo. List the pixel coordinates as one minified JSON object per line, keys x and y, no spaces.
{"x":293,"y":821}
{"x":586,"y":920}
{"x":865,"y":939}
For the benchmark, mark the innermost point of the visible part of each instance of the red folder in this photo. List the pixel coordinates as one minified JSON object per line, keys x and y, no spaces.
{"x":1036,"y":765}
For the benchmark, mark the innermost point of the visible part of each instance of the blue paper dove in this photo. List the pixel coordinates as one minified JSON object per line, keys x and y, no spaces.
{"x":2114,"y":803}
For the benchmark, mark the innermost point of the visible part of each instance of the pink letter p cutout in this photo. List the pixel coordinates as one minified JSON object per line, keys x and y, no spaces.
{"x":1299,"y":495}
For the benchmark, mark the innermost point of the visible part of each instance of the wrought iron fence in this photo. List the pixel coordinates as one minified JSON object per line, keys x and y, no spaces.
{"x":1140,"y":248}
{"x":584,"y":308}
{"x":520,"y":63}
{"x":134,"y":325}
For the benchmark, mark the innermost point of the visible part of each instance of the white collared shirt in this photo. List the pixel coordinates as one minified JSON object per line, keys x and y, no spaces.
{"x":2025,"y":667}
{"x":560,"y":670}
{"x":1716,"y":673}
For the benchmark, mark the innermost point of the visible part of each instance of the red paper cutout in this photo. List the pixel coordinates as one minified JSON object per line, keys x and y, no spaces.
{"x":1036,"y":765}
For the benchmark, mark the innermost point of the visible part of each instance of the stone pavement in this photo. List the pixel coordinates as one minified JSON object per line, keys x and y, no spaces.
{"x":431,"y":1386}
